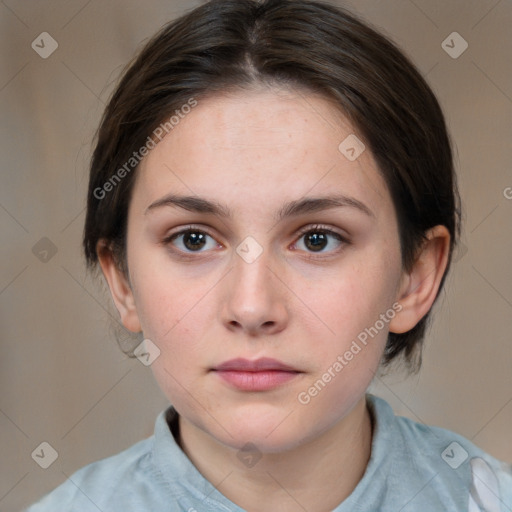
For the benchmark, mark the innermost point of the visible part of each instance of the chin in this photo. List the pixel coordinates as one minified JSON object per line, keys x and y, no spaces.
{"x":272,"y":429}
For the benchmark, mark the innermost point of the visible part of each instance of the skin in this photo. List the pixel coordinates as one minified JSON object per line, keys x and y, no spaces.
{"x":254,"y":151}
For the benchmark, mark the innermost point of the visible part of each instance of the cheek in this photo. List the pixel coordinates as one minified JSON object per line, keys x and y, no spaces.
{"x":166,"y":299}
{"x":177,"y":312}
{"x":350,"y":353}
{"x":350,"y":304}
{"x":352,"y":299}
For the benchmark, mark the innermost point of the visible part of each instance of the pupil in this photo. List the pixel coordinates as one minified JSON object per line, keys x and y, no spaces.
{"x":316,"y":241}
{"x":194,"y":240}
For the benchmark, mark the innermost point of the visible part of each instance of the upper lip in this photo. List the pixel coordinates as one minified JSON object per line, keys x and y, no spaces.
{"x":258,"y":365}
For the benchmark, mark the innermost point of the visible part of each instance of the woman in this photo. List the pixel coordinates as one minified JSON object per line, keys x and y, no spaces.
{"x":273,"y":204}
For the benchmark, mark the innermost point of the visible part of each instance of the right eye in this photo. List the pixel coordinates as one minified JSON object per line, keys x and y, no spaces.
{"x":191,"y":240}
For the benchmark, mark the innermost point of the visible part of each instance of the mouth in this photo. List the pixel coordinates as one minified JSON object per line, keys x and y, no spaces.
{"x":259,"y":375}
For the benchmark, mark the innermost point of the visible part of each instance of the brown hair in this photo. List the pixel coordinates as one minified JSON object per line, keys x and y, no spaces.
{"x":228,"y":44}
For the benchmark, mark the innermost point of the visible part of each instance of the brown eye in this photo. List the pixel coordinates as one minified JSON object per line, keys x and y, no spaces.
{"x":315,"y":241}
{"x":320,"y":240}
{"x":192,"y":241}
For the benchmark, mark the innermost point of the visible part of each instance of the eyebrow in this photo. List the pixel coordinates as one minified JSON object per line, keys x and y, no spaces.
{"x":293,"y":208}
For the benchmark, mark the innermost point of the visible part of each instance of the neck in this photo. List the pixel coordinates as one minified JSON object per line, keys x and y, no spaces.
{"x":317,"y":475}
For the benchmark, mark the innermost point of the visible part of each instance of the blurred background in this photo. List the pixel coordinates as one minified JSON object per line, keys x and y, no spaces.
{"x":63,"y":379}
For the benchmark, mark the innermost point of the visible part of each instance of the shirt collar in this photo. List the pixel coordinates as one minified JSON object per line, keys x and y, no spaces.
{"x":176,"y":468}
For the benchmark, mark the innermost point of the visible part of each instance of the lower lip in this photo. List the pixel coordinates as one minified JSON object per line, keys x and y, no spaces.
{"x":256,"y":381}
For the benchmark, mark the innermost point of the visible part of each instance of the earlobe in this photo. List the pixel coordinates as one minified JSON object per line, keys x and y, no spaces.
{"x":120,"y":289}
{"x":419,"y":287}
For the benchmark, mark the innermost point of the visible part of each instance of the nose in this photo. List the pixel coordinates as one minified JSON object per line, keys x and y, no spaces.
{"x":254,"y":299}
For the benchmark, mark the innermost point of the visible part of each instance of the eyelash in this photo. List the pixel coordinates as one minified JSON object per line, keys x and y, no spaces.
{"x":317,"y":228}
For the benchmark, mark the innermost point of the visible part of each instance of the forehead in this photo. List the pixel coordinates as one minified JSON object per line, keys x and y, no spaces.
{"x":256,"y":146}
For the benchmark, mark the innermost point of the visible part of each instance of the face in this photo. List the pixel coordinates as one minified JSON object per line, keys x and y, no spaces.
{"x":259,"y":255}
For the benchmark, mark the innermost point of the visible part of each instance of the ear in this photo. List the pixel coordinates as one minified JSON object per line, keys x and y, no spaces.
{"x":418,"y":288}
{"x":120,"y":288}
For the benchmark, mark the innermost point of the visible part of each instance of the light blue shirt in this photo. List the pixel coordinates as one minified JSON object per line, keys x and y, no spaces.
{"x":412,"y":468}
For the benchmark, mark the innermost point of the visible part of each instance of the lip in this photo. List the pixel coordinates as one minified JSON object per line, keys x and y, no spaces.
{"x":259,"y":375}
{"x":258,"y":365}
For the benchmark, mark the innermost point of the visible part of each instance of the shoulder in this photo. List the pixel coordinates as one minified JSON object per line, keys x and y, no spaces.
{"x":445,"y":463}
{"x":94,"y":485}
{"x":154,"y":474}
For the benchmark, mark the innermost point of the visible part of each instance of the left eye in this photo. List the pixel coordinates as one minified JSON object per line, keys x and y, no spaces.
{"x":318,"y":240}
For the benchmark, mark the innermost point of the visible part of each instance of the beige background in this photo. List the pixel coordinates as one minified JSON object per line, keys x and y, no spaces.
{"x":63,"y":379}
